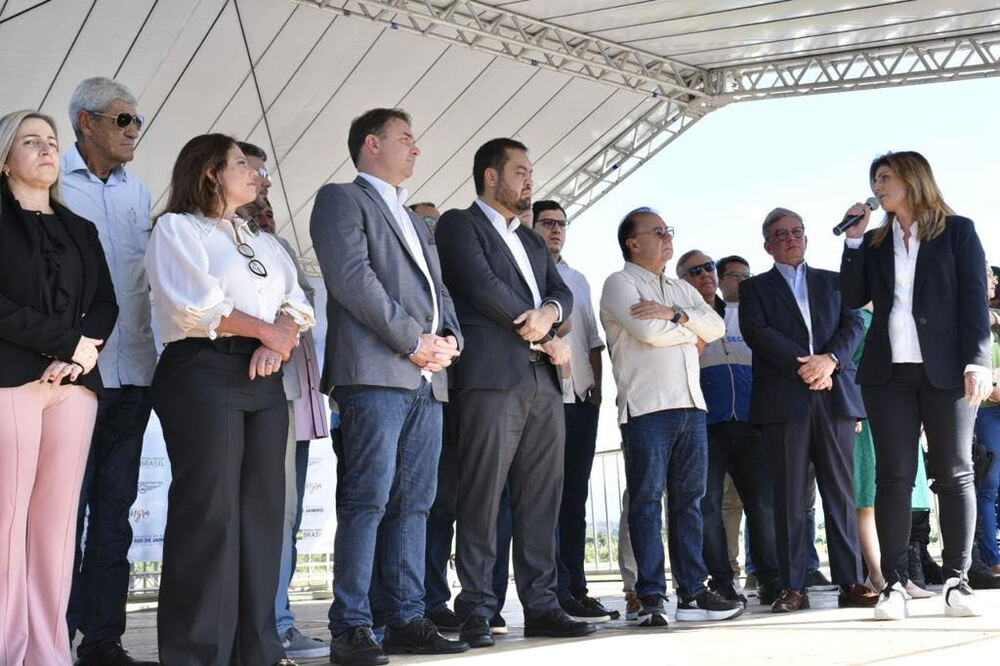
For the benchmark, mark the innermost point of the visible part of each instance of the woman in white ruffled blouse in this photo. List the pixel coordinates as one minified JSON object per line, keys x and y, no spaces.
{"x":227,"y":305}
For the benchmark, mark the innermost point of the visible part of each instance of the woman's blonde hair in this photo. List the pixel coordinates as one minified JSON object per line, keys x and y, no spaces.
{"x":922,"y":194}
{"x":9,"y":125}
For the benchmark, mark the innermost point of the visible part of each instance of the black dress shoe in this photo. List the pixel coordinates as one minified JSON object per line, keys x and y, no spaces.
{"x":420,"y":636}
{"x":444,"y":619}
{"x":557,"y":624}
{"x":357,"y":647}
{"x":110,"y":653}
{"x":475,"y":631}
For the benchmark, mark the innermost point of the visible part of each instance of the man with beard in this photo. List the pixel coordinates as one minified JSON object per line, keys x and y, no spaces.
{"x":508,"y":394}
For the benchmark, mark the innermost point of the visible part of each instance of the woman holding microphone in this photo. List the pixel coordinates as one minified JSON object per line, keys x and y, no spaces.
{"x":926,"y":362}
{"x":227,"y":303}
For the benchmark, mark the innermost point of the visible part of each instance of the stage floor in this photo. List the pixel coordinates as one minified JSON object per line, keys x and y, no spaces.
{"x":822,"y":635}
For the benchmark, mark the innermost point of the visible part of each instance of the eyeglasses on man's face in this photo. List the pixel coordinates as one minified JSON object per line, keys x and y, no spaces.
{"x":707,"y":267}
{"x":553,"y":222}
{"x":262,"y":172}
{"x":660,"y":232}
{"x":123,"y":120}
{"x":784,"y":235}
{"x":738,"y":275}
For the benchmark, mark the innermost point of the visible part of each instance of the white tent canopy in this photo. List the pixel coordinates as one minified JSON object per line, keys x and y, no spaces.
{"x":593,"y":87}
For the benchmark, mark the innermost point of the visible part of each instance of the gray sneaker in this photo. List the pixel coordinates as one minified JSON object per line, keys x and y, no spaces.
{"x":299,"y":646}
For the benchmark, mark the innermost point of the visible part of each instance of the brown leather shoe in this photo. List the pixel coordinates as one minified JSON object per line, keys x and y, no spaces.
{"x":857,"y":595}
{"x":790,"y":601}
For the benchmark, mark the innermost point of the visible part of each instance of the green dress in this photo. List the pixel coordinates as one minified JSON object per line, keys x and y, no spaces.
{"x":864,"y":456}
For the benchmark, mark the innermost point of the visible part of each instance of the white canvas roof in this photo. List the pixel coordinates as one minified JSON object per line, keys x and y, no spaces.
{"x":593,"y":87}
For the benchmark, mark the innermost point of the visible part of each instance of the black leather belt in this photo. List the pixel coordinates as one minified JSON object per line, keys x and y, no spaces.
{"x":235,"y":344}
{"x":537,"y":357}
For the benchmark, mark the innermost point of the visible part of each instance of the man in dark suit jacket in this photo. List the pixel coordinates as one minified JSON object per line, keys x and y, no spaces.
{"x":806,"y":403}
{"x":392,"y":330}
{"x":509,"y":299}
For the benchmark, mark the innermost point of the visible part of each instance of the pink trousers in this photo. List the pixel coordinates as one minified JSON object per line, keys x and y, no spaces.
{"x":44,"y":439}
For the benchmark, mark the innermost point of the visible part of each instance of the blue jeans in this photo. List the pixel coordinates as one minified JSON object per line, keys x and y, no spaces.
{"x":110,"y":484}
{"x":667,"y":449}
{"x":391,"y":444}
{"x":988,"y":434}
{"x":571,"y":539}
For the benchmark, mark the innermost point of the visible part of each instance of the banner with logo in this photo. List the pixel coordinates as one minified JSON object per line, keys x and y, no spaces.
{"x":149,"y":513}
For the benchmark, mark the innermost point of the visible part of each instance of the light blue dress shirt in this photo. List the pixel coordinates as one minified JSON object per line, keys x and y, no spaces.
{"x":121,"y":209}
{"x":795,"y":276}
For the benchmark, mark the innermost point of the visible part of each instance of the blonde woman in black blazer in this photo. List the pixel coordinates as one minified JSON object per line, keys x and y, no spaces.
{"x":926,"y":362}
{"x":57,"y":305}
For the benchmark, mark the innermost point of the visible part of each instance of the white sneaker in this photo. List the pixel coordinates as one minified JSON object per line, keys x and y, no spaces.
{"x":891,"y":603}
{"x":917,"y":592}
{"x":959,"y":600}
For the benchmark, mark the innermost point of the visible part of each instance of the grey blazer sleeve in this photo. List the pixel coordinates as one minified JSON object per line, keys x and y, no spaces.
{"x":337,"y":226}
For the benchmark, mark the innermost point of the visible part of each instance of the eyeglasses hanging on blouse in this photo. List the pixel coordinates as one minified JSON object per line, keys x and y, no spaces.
{"x":256,"y":267}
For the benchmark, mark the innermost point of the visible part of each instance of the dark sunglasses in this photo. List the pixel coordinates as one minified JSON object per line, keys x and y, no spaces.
{"x":695,"y":271}
{"x":123,"y":120}
{"x":255,"y":266}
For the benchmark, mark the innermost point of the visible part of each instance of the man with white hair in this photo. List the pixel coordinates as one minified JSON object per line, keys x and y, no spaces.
{"x":97,"y":186}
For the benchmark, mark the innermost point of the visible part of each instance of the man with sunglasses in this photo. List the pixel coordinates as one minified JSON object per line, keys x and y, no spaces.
{"x":582,"y":404}
{"x":655,"y":325}
{"x":97,"y":186}
{"x":734,"y":445}
{"x":427,"y":212}
{"x":806,"y":403}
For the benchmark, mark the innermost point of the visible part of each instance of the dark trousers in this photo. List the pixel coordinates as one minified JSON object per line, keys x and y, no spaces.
{"x":441,"y":525}
{"x":391,"y":443}
{"x":896,"y":410}
{"x":828,"y":441}
{"x":110,"y":482}
{"x":510,"y":436}
{"x":225,"y":438}
{"x":736,"y":448}
{"x":666,"y":450}
{"x":581,"y":442}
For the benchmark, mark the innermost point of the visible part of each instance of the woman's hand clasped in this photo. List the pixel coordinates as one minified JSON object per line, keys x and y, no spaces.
{"x":85,"y":354}
{"x":265,"y":361}
{"x":282,"y":336}
{"x":59,"y":370}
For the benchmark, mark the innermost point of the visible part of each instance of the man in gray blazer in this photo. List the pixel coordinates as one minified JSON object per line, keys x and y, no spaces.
{"x":391,"y":332}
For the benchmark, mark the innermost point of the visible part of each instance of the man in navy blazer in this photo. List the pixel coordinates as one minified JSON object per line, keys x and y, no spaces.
{"x":806,"y":403}
{"x":391,"y":331}
{"x":510,"y":299}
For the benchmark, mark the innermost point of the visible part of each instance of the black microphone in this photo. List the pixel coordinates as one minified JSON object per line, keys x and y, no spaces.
{"x":849,"y":222}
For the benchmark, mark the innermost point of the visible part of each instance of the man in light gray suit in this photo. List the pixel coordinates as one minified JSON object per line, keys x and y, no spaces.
{"x":391,"y":332}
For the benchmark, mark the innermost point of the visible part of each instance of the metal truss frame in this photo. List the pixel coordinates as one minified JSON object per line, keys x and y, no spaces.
{"x":684,"y":93}
{"x":531,"y":41}
{"x":958,"y":58}
{"x":954,"y":59}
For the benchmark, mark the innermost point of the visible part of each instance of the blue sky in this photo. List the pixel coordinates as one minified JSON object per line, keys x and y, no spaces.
{"x":716,"y":182}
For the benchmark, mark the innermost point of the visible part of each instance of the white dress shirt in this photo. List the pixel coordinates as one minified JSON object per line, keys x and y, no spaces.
{"x":795,"y":276}
{"x":507,"y":231}
{"x":903,"y":338}
{"x":197,"y":277}
{"x":655,"y":362}
{"x":120,"y":209}
{"x":583,"y":336}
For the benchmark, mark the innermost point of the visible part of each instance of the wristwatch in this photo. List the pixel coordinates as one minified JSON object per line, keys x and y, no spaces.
{"x":678,"y":314}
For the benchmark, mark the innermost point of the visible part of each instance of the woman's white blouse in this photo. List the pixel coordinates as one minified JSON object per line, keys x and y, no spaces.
{"x":197,"y":277}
